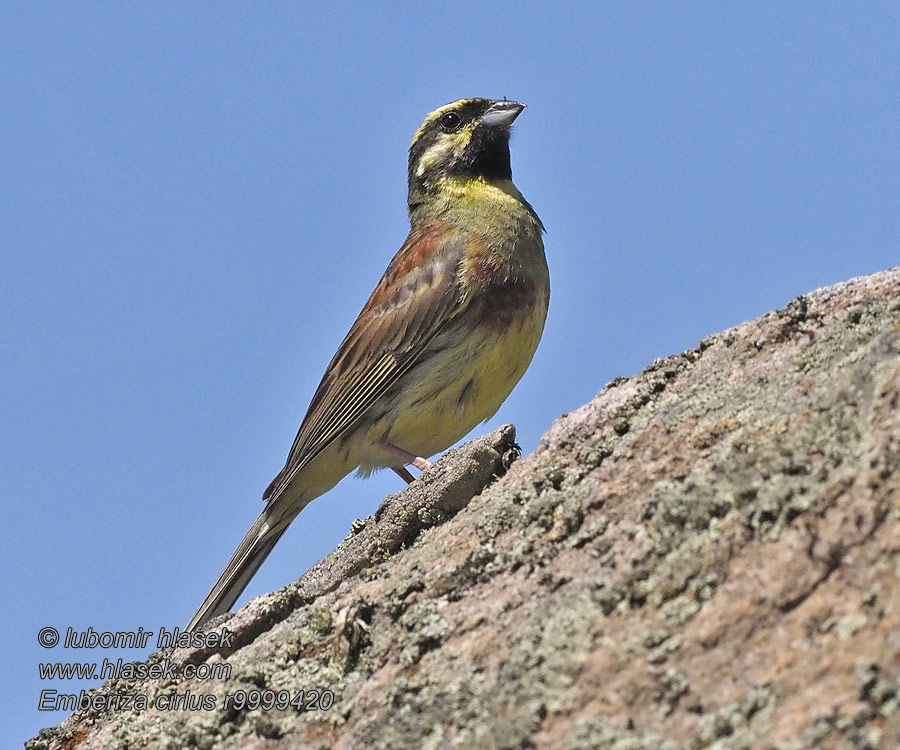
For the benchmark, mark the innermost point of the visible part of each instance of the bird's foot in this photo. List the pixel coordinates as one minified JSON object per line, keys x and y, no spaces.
{"x":404,"y":474}
{"x":422,"y":464}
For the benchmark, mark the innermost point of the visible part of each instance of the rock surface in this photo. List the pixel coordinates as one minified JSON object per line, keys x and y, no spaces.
{"x":707,"y":555}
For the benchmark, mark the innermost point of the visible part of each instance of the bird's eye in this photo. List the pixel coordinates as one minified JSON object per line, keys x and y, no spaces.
{"x":450,"y":121}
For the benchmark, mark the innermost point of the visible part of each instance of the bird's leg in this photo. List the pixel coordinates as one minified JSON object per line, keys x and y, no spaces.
{"x":404,"y":474}
{"x":422,"y":464}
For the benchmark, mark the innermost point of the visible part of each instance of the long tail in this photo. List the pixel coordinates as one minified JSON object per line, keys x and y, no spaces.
{"x":250,"y":554}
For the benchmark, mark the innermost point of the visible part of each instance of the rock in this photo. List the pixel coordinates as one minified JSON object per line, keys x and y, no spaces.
{"x":705,"y":555}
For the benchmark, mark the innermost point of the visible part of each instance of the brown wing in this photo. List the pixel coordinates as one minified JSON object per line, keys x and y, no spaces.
{"x":417,"y":295}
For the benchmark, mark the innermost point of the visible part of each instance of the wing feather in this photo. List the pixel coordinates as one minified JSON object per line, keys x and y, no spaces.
{"x":418,"y":294}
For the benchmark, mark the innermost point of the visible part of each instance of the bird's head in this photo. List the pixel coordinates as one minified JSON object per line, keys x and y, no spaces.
{"x":467,"y":139}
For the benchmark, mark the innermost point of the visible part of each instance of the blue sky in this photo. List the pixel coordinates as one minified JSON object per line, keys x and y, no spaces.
{"x":196,"y":203}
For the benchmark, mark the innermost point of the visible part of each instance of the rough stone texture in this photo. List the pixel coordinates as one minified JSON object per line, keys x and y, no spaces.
{"x":707,"y":555}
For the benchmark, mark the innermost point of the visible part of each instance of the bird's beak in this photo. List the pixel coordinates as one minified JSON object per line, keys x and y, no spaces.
{"x":501,"y":113}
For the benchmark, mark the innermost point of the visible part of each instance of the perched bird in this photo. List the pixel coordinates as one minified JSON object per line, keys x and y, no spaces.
{"x":446,"y":335}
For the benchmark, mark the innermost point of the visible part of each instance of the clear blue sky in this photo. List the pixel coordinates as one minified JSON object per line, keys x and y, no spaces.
{"x":196,"y":202}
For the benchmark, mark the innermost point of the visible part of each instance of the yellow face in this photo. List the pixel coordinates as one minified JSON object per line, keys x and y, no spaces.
{"x":464,"y":140}
{"x":451,"y":139}
{"x":431,"y":118}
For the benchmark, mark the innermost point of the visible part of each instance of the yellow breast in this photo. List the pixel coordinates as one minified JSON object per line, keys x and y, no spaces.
{"x":463,"y":381}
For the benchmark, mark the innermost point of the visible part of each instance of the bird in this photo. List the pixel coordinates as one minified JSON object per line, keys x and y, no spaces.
{"x":445,"y":336}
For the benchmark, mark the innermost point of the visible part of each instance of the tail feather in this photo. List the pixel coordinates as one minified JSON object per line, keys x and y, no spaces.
{"x":254,"y":548}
